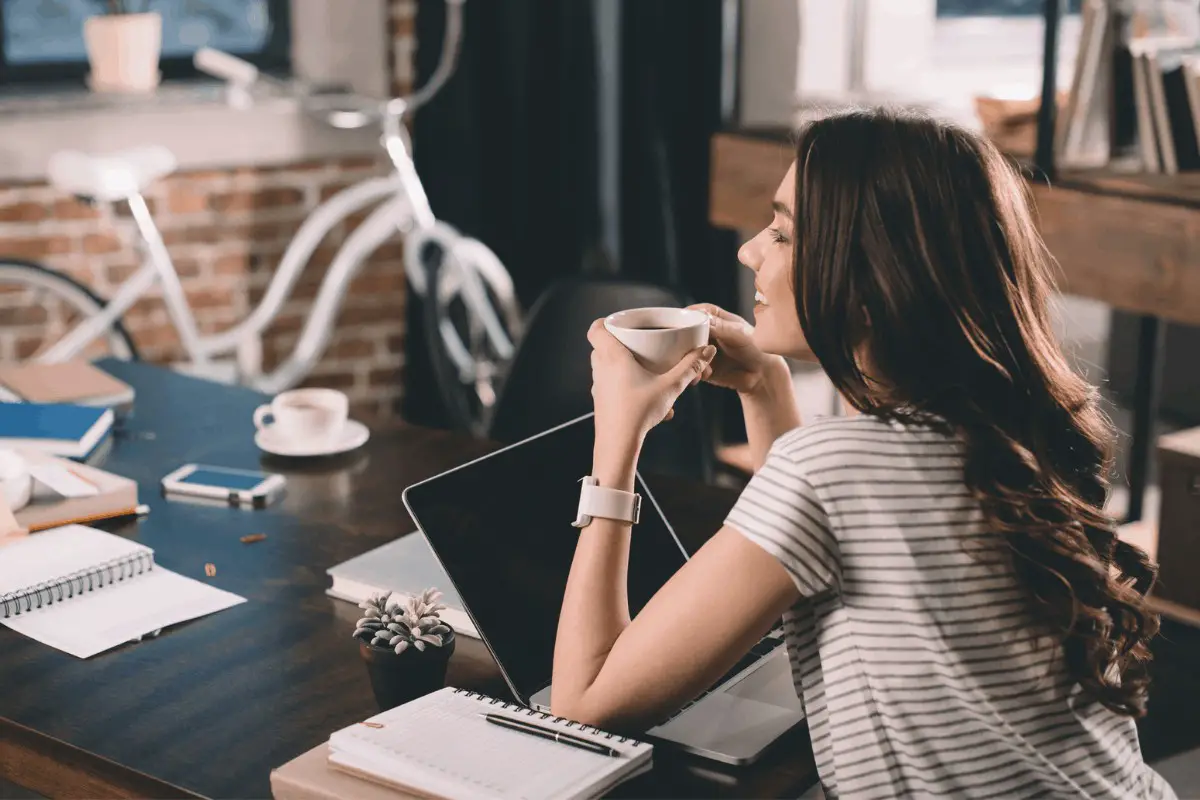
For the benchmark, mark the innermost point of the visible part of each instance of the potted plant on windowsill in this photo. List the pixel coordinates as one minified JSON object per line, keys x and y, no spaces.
{"x":406,"y":647}
{"x":124,"y":43}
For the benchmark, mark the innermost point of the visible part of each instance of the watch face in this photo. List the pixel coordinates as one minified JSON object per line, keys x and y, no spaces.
{"x":51,"y":31}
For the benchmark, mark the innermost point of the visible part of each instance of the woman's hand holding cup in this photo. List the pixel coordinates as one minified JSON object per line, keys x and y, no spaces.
{"x":633,"y":393}
{"x":739,"y":363}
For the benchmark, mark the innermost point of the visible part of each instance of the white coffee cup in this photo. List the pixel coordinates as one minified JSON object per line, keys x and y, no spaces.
{"x":305,"y":415}
{"x":659,"y":337}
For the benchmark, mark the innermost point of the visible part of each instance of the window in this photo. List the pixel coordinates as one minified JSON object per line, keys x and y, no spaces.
{"x":994,"y":48}
{"x":42,"y":40}
{"x":998,"y":8}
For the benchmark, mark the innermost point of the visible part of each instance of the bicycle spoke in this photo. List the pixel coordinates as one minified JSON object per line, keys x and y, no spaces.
{"x":39,"y":307}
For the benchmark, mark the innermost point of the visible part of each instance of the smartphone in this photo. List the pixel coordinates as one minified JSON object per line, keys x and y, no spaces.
{"x":238,"y":487}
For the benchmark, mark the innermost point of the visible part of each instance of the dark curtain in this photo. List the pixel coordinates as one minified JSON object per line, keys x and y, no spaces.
{"x":672,"y":65}
{"x":509,"y":152}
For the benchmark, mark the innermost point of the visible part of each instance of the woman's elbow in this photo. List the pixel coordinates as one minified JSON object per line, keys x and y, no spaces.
{"x":576,"y":710}
{"x":587,"y":712}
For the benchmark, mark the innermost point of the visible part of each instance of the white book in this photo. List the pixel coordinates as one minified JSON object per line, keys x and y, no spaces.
{"x":84,"y":591}
{"x":405,"y":567}
{"x":441,"y":745}
{"x":1147,"y":133}
{"x":1191,"y":74}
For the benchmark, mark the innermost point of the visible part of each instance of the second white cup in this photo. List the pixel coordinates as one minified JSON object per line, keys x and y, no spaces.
{"x":659,"y":337}
{"x":305,"y":415}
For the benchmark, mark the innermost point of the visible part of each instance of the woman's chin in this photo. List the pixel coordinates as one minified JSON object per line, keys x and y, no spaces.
{"x":764,"y":341}
{"x":779,"y":345}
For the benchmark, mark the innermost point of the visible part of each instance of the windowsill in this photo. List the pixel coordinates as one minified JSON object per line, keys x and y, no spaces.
{"x":193,"y":120}
{"x":977,"y":55}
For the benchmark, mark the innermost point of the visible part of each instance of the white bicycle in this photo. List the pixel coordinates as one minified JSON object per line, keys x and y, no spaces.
{"x":469,"y":299}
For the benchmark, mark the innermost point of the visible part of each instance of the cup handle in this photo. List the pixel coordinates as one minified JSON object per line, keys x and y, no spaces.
{"x":260,"y":415}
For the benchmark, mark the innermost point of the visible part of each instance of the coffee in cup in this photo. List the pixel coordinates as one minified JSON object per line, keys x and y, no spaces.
{"x":659,"y":337}
{"x":305,"y":415}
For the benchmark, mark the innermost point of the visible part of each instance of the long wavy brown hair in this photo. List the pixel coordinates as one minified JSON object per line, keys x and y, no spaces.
{"x":922,"y":232}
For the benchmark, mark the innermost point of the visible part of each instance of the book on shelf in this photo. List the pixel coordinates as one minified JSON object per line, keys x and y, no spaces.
{"x":1082,"y":136}
{"x":1180,"y":120}
{"x":1165,"y":100}
{"x":1147,"y":132}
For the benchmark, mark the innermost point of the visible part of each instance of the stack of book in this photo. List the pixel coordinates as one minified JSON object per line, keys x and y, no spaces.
{"x":1134,"y":91}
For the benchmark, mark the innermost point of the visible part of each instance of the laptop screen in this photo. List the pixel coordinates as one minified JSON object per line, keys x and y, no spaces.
{"x":501,"y":527}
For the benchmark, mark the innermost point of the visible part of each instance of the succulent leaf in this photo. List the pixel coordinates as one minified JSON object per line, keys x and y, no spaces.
{"x":401,"y":647}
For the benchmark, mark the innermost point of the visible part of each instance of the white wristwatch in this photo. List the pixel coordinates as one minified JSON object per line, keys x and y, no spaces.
{"x":597,"y":501}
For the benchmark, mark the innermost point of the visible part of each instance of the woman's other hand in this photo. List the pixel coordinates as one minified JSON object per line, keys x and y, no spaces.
{"x":629,"y":399}
{"x":739,"y":364}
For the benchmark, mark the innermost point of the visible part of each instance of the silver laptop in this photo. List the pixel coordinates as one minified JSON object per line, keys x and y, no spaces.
{"x":501,"y":528}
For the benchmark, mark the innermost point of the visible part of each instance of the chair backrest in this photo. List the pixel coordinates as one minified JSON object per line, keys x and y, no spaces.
{"x":550,"y":378}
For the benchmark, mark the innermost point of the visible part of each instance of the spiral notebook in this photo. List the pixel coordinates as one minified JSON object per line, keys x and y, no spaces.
{"x":85,"y":591}
{"x":441,"y":746}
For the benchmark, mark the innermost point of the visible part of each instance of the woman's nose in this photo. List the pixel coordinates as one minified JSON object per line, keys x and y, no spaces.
{"x":748,"y":255}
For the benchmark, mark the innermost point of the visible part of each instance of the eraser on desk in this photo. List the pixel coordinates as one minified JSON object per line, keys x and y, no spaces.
{"x":63,"y":481}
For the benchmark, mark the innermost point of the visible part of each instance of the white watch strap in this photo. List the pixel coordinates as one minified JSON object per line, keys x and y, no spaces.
{"x":599,"y":501}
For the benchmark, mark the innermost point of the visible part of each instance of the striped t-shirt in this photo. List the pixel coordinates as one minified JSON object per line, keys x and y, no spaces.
{"x":922,"y":671}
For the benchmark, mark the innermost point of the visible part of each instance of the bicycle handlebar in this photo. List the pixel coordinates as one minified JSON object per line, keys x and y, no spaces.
{"x":243,"y":74}
{"x":227,"y":67}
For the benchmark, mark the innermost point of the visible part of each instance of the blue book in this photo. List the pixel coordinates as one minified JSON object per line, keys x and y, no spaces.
{"x":61,"y":430}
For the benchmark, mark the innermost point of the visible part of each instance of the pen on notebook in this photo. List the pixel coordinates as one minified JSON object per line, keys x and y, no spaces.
{"x":546,"y":733}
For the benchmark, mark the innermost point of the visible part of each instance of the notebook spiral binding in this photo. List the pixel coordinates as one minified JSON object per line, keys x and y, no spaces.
{"x":532,"y":712}
{"x":57,"y":590}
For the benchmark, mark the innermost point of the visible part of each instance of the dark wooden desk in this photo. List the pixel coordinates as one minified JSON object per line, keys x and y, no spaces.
{"x":211,"y":706}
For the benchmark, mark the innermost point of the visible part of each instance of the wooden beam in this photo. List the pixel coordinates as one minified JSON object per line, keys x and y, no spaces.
{"x":1134,"y":254}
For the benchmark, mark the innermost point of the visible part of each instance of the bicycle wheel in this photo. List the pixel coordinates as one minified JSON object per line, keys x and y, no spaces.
{"x":466,"y":368}
{"x":38,"y":306}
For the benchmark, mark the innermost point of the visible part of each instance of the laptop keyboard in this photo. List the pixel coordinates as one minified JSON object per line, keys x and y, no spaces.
{"x":760,"y":649}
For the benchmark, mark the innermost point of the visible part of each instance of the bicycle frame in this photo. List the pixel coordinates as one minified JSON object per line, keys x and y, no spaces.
{"x":402,"y":207}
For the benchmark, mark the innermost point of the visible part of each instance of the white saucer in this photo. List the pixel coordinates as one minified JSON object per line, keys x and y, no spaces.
{"x":353,"y":436}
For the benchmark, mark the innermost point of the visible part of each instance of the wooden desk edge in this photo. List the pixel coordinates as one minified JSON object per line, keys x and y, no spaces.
{"x":53,"y":768}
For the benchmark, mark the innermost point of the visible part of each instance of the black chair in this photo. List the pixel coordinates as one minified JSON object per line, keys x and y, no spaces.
{"x":550,"y":379}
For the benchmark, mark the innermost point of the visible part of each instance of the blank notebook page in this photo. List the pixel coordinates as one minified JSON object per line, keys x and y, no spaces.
{"x":440,"y":744}
{"x":109,"y":615}
{"x":53,"y":554}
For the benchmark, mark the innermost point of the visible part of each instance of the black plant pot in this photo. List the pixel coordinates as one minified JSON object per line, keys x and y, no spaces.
{"x":397,"y":679}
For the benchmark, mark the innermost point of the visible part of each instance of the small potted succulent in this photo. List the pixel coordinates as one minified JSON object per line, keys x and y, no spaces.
{"x":406,"y":647}
{"x":124,"y":44}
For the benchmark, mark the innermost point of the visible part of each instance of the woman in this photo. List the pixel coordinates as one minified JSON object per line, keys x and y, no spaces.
{"x":960,"y":617}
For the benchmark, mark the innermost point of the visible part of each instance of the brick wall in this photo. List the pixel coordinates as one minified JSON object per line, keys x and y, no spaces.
{"x":226,"y":231}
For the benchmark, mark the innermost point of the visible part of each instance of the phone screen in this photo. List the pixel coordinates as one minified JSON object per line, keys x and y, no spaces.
{"x":236,"y":480}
